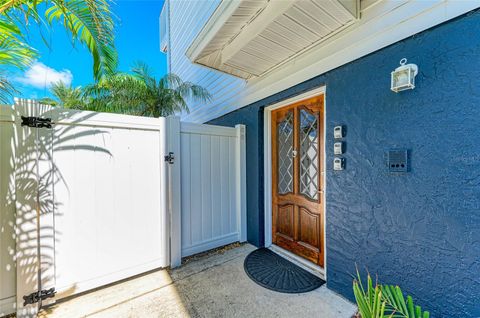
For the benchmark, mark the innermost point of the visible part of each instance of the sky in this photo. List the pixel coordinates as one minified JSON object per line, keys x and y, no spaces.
{"x":137,"y":39}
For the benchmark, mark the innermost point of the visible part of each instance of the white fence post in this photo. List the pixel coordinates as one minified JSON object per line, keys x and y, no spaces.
{"x":35,"y":208}
{"x":165,"y":224}
{"x":7,"y":210}
{"x":241,"y":183}
{"x":174,"y":191}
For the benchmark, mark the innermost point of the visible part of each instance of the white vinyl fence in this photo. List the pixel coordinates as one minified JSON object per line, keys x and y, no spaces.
{"x":7,"y":211}
{"x":211,"y":186}
{"x":97,"y":194}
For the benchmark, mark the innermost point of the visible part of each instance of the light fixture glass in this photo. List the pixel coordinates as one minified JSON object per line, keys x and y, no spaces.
{"x":404,"y":76}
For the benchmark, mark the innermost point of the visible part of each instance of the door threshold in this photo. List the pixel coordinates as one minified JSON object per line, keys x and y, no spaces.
{"x":299,"y":261}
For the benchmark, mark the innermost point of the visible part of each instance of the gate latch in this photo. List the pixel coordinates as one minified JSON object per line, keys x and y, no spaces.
{"x":37,"y":122}
{"x":170,"y":158}
{"x":37,"y":296}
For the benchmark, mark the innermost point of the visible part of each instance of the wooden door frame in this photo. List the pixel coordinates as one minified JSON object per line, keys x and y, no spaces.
{"x":267,"y":145}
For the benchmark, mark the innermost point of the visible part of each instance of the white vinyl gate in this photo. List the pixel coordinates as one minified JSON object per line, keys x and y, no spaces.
{"x":98,"y":194}
{"x":211,"y":186}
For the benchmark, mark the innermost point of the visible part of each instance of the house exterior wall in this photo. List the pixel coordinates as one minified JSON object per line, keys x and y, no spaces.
{"x":186,"y":19}
{"x":382,"y":23}
{"x":420,"y":229}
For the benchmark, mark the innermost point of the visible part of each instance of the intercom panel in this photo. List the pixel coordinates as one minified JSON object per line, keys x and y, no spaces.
{"x":338,"y":164}
{"x":397,"y":160}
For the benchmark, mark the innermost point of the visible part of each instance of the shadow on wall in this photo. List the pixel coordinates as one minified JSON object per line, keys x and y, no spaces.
{"x":31,"y":193}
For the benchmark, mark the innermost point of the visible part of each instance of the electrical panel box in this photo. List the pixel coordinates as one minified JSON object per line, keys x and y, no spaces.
{"x":338,"y":148}
{"x":338,"y":132}
{"x":338,"y":164}
{"x":398,"y":160}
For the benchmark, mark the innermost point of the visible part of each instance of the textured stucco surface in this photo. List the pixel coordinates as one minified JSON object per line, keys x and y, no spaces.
{"x":421,"y":229}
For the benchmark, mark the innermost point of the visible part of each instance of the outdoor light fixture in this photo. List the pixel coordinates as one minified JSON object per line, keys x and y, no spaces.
{"x":404,"y":76}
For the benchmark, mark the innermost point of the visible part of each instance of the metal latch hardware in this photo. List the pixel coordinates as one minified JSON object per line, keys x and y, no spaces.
{"x":170,"y":158}
{"x":37,"y":122}
{"x":37,"y":296}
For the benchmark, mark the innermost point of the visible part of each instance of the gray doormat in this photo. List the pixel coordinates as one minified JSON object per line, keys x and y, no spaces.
{"x":274,"y":272}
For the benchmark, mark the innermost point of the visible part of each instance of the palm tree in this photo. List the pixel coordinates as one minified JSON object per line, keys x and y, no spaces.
{"x":88,"y":21}
{"x":118,"y":93}
{"x":66,"y":96}
{"x":169,"y":95}
{"x":13,"y":52}
{"x":140,"y":93}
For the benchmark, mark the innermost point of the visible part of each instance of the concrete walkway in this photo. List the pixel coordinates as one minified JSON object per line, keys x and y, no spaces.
{"x":214,"y":285}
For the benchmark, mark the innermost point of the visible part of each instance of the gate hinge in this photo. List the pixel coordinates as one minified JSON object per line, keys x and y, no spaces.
{"x":170,"y":158}
{"x":37,"y":122}
{"x":37,"y":296}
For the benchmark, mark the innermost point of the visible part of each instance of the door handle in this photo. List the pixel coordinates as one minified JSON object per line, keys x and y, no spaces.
{"x":320,"y":191}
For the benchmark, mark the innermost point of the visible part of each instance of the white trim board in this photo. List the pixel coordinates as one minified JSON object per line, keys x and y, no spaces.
{"x":386,"y":23}
{"x":267,"y":163}
{"x":382,"y":23}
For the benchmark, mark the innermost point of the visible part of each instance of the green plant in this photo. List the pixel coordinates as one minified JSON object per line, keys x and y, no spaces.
{"x":136,"y":93}
{"x":370,"y":302}
{"x":88,"y":21}
{"x":140,"y":93}
{"x":65,"y":96}
{"x":13,"y":52}
{"x":381,"y":301}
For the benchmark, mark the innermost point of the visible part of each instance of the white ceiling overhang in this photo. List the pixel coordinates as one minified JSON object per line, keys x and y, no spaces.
{"x":248,"y":38}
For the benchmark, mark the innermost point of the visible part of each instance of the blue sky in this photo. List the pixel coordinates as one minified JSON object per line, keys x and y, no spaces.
{"x":137,"y":39}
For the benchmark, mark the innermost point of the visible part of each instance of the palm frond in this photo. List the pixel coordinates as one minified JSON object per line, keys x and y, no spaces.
{"x":66,"y":96}
{"x":194,"y":92}
{"x":7,"y":91}
{"x":384,"y":301}
{"x":48,"y":101}
{"x":90,"y":22}
{"x":398,"y":307}
{"x":13,"y":50}
{"x":370,"y":301}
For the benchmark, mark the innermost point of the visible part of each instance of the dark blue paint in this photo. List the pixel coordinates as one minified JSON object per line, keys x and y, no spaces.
{"x":419,"y":229}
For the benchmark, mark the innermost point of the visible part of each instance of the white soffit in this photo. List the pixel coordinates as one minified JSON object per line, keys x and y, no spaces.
{"x":248,"y":38}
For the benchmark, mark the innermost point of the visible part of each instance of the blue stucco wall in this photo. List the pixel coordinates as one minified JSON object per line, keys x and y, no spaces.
{"x":421,"y":229}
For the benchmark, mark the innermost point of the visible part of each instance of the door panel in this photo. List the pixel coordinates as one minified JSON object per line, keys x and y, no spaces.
{"x":285,"y":153}
{"x":308,"y":228}
{"x":297,"y":186}
{"x":285,"y":220}
{"x":308,"y":134}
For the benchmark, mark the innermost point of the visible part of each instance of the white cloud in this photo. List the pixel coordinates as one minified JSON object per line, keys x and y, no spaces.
{"x":40,"y":75}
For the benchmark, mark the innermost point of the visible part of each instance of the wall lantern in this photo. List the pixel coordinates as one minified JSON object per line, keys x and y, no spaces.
{"x":404,"y":76}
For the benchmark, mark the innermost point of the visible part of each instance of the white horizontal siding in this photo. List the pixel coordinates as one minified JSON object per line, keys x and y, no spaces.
{"x":186,"y":20}
{"x":382,"y":23}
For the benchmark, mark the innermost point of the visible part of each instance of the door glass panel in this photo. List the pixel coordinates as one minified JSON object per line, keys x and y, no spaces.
{"x":309,"y":155}
{"x":285,"y":154}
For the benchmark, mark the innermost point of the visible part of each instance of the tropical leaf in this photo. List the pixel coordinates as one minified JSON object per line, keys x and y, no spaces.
{"x":379,"y":301}
{"x":398,"y":307}
{"x":140,"y":93}
{"x":88,"y":21}
{"x":13,"y":50}
{"x":7,"y":91}
{"x":66,"y":96}
{"x":48,"y":101}
{"x":370,"y":302}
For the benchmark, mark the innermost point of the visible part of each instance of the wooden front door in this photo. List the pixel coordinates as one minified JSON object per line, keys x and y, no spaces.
{"x":297,"y":179}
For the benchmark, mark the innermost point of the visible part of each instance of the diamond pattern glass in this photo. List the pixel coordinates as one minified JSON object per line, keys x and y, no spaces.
{"x":285,"y":154}
{"x":309,"y":155}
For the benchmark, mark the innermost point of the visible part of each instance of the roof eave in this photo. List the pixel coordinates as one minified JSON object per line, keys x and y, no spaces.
{"x":221,"y":14}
